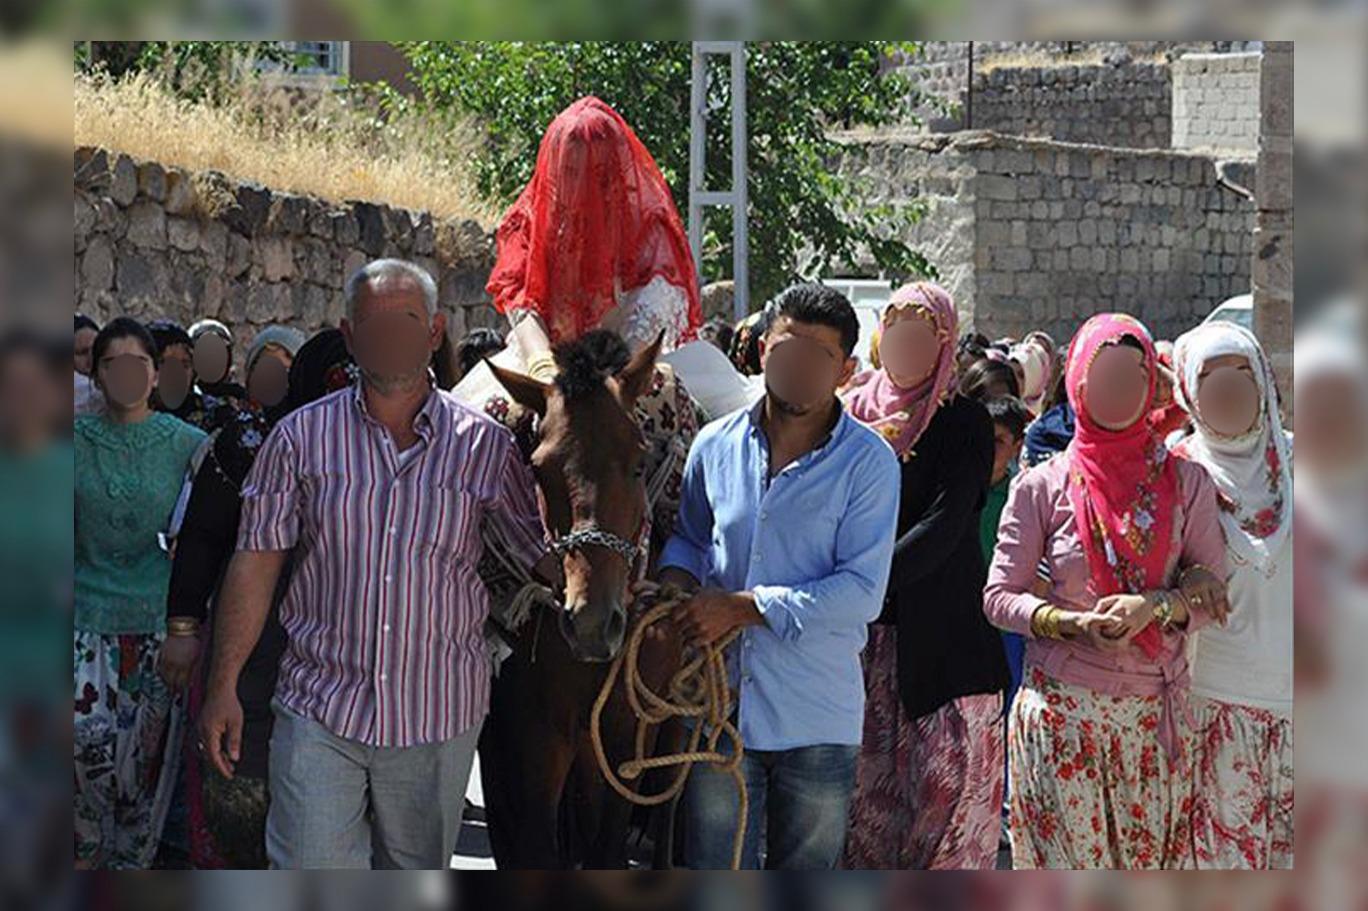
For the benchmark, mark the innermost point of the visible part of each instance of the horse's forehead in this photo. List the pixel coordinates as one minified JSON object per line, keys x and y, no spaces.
{"x":598,"y":422}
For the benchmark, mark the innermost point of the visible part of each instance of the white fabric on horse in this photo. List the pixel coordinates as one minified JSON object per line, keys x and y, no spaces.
{"x":714,"y":383}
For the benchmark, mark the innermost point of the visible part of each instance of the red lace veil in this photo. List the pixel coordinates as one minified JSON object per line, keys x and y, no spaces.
{"x":596,"y":219}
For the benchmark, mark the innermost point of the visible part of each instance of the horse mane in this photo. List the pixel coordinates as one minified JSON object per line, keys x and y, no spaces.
{"x":585,"y":363}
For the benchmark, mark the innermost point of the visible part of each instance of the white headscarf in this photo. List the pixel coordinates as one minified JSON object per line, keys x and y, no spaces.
{"x":1253,"y":471}
{"x":1036,"y":369}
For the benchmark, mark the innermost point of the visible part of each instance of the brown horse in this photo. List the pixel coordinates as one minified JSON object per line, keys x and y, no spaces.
{"x":547,"y":802}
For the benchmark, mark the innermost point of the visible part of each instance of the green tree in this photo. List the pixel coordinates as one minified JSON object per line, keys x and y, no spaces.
{"x":805,"y":220}
{"x":195,"y":70}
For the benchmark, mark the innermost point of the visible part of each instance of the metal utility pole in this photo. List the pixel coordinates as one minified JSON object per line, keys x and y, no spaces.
{"x":699,"y":194}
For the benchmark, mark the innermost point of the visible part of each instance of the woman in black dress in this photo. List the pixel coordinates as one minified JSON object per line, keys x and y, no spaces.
{"x":928,"y":790}
{"x":228,"y":817}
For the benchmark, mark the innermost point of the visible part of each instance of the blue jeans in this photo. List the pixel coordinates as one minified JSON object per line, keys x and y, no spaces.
{"x":801,"y":797}
{"x":1014,"y":647}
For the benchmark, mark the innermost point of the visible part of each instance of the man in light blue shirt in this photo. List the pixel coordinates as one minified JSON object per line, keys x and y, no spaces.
{"x":785,"y":530}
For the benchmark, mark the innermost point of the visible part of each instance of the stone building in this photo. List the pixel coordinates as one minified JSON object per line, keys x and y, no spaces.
{"x":1036,"y":233}
{"x":1061,"y":179}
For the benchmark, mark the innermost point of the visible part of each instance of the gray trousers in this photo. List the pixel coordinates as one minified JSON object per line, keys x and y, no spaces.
{"x":340,"y":804}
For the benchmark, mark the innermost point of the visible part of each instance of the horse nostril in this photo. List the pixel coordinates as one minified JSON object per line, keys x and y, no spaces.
{"x":617,"y":627}
{"x":566,"y":621}
{"x":591,"y":641}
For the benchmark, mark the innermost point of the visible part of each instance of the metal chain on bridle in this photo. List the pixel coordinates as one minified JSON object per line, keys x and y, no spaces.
{"x":592,"y":535}
{"x":698,"y":690}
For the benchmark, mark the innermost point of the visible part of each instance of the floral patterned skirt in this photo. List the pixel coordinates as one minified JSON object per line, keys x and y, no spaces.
{"x":1243,"y":812}
{"x":1091,"y":785}
{"x":123,"y":737}
{"x":928,"y":792}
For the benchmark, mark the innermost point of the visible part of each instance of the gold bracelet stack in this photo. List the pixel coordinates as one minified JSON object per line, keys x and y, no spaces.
{"x":542,"y":367}
{"x":1182,"y":577}
{"x":1045,"y":622}
{"x":182,"y":626}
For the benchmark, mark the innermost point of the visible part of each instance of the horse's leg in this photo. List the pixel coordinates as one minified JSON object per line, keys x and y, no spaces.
{"x":539,"y":824}
{"x":525,"y":753}
{"x":604,"y":816}
{"x":555,"y":703}
{"x":658,"y":660}
{"x":498,"y":773}
{"x":670,"y":739}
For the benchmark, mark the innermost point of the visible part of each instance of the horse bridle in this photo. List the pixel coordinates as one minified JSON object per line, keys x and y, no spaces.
{"x":587,"y":535}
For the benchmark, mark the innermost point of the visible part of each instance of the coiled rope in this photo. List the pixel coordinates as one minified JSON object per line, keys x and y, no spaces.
{"x":698,"y":691}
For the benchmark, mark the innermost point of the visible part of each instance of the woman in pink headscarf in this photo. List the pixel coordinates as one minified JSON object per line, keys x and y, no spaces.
{"x":928,"y":788}
{"x":1100,"y":733}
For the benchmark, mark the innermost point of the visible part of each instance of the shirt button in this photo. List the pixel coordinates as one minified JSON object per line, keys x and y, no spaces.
{"x":394,"y":530}
{"x":386,"y":627}
{"x":764,"y":515}
{"x":382,"y":678}
{"x":756,"y":558}
{"x":387,"y":579}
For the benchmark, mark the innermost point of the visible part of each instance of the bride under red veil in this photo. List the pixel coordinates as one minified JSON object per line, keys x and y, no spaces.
{"x":595,"y":221}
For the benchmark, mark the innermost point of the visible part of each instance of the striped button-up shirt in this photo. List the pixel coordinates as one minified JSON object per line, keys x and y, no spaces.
{"x":384,"y":609}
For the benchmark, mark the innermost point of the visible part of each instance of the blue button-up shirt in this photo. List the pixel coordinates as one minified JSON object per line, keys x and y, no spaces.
{"x":813,"y":544}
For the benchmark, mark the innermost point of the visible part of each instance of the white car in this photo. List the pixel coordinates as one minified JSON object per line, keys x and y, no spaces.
{"x":1238,"y":310}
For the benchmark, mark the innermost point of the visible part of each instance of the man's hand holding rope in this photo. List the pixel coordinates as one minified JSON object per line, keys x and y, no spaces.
{"x":704,"y":616}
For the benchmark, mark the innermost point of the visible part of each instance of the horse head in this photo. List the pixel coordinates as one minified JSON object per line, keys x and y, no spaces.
{"x":589,"y":461}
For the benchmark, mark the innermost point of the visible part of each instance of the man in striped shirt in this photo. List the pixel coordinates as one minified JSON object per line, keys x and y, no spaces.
{"x":380,"y":490}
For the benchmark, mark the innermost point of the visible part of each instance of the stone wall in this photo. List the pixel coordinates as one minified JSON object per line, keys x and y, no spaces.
{"x":1106,"y":105}
{"x":153,"y":241}
{"x":1087,"y":75}
{"x":1216,"y":101}
{"x":1034,"y":233}
{"x":1274,"y":231}
{"x":941,"y":72}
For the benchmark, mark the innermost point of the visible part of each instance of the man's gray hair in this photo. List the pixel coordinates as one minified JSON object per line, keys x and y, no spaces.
{"x":380,"y":272}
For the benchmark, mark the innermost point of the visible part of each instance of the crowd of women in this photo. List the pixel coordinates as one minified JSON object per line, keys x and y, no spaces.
{"x":1127,"y":528}
{"x":1086,"y":647}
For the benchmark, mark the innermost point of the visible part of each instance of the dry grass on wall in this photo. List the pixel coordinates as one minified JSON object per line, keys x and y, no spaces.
{"x":317,"y":143}
{"x":1084,"y":56}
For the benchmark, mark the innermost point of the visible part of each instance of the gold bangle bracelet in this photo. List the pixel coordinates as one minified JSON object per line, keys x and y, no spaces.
{"x":182,"y":626}
{"x":542,"y":367}
{"x":1182,"y":576}
{"x":1045,"y":622}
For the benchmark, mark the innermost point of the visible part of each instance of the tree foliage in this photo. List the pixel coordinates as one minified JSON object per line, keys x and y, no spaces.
{"x":805,"y":220}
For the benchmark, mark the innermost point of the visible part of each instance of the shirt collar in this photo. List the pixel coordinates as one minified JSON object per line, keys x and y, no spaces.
{"x":756,"y":416}
{"x":423,"y":421}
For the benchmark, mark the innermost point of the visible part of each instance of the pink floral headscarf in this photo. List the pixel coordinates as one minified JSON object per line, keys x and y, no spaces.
{"x":902,"y":414}
{"x":1122,"y":485}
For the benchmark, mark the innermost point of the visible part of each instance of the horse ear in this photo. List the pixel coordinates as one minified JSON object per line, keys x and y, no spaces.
{"x":526,"y":391}
{"x":635,"y":379}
